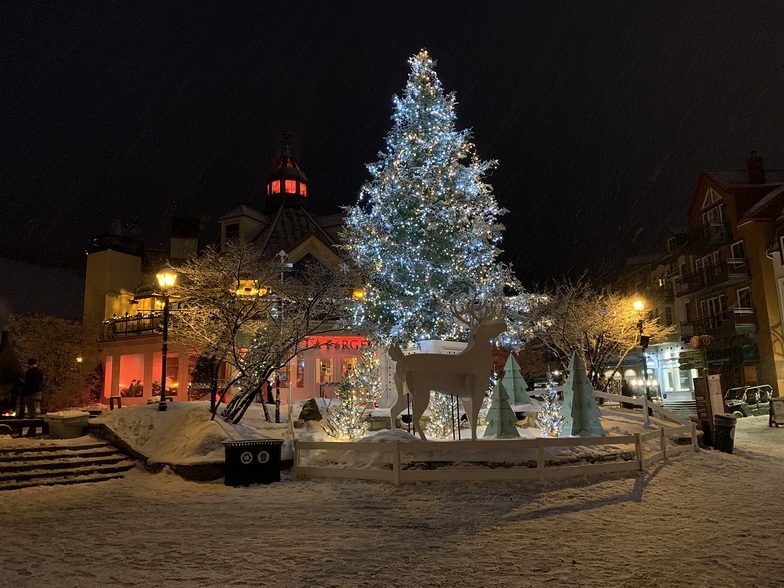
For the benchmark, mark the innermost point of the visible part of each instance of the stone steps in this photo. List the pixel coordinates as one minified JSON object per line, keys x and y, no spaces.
{"x":684,"y":408}
{"x":49,"y":462}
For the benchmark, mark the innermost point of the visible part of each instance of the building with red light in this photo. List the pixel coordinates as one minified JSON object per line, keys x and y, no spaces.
{"x":123,"y":308}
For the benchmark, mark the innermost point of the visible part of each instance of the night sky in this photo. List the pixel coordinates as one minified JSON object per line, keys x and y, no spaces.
{"x":600,"y":114}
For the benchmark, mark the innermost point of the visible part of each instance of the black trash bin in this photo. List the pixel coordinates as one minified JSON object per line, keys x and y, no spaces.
{"x":252,"y":462}
{"x":724,"y":431}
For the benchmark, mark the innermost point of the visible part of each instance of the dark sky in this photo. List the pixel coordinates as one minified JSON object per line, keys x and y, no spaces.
{"x":601,"y":114}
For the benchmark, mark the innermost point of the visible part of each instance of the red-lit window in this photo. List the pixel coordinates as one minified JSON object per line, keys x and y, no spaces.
{"x":291,"y":186}
{"x":303,"y":189}
{"x":275,"y":187}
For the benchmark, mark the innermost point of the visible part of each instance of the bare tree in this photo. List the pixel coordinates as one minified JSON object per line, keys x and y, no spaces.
{"x":600,"y":325}
{"x":239,"y":309}
{"x":65,"y":352}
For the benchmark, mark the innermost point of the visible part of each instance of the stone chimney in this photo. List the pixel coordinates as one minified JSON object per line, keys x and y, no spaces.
{"x":756,"y":169}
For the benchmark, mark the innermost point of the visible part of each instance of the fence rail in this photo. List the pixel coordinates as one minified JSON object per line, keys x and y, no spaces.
{"x":524,"y":459}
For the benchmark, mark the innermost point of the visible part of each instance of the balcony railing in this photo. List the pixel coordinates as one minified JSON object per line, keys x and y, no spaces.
{"x":722,"y":325}
{"x":132,"y":325}
{"x":724,"y":273}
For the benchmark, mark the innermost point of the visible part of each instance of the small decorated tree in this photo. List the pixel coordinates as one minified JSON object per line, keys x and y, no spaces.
{"x":367,"y":380}
{"x":442,"y":415}
{"x":345,"y":419}
{"x":550,"y":420}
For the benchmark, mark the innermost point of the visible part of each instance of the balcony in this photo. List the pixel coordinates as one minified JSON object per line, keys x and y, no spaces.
{"x":135,"y":325}
{"x":725,"y":273}
{"x":722,"y":326}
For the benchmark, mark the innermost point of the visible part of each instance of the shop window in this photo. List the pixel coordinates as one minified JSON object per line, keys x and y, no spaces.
{"x":348,"y":364}
{"x":131,"y":375}
{"x":324,"y":371}
{"x":291,"y":186}
{"x":300,"y":382}
{"x":107,"y":377}
{"x":172,"y":374}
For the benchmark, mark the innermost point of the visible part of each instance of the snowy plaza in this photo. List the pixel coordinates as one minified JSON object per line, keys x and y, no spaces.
{"x":701,"y":519}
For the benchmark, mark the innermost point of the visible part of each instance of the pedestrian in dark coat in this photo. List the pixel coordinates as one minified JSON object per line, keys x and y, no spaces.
{"x":626,"y":390}
{"x":33,"y":390}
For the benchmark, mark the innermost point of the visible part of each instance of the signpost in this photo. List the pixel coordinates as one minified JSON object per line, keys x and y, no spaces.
{"x":692,"y":360}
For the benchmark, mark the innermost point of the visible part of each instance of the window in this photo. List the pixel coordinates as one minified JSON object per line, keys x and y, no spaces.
{"x":233,"y":232}
{"x":325,"y":371}
{"x":300,"y":381}
{"x":738,"y":252}
{"x":303,"y":190}
{"x":275,"y":187}
{"x":668,"y":315}
{"x":291,"y":186}
{"x":744,"y":300}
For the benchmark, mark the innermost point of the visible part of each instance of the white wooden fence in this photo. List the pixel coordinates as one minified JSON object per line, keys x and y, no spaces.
{"x":497,"y":459}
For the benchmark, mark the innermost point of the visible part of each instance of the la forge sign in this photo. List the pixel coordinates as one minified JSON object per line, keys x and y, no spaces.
{"x":335,"y":343}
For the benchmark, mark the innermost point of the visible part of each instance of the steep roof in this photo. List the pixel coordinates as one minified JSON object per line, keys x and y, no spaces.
{"x":289,"y":227}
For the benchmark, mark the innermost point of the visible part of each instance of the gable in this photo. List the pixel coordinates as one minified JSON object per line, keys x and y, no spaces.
{"x":316,"y":247}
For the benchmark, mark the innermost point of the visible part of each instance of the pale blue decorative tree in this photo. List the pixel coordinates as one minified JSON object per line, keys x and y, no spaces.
{"x":581,"y":413}
{"x":501,"y":419}
{"x":514,"y":382}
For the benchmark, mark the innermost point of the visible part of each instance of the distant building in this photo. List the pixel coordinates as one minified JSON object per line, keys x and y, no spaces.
{"x":121,"y":305}
{"x":723,"y":281}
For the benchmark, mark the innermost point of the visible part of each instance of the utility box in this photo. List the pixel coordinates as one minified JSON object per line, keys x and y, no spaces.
{"x":252,"y":462}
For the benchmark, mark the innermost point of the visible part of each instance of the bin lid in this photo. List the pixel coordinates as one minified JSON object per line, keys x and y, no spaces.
{"x":252,"y":442}
{"x":724,"y":416}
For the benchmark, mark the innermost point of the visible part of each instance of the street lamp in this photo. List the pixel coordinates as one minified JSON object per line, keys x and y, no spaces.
{"x":166,"y":279}
{"x":639,"y":306}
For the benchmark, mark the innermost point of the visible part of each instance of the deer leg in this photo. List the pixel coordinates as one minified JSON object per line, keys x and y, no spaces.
{"x":420,"y":401}
{"x":400,"y":404}
{"x":472,"y":402}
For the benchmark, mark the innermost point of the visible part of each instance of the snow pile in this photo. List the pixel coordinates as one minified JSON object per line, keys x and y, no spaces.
{"x":185,"y":434}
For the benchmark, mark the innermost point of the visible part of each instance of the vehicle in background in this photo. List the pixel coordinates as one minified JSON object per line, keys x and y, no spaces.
{"x":745,"y":401}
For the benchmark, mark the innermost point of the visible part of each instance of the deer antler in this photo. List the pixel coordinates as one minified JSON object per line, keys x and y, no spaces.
{"x":472,"y":313}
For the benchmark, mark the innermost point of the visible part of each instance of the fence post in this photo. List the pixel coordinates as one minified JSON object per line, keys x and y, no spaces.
{"x":296,"y":460}
{"x":638,"y":449}
{"x":645,"y":410}
{"x":396,"y":464}
{"x":540,"y":458}
{"x":663,"y":444}
{"x":694,"y":436}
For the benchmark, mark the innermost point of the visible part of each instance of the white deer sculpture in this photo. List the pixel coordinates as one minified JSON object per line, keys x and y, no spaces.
{"x":466,"y":375}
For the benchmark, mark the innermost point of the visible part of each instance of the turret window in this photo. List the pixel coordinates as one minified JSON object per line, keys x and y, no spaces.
{"x":303,"y":190}
{"x":275,"y":187}
{"x":291,"y":186}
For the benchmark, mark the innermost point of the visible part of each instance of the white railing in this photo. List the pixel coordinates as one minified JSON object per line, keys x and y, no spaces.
{"x":495,"y":459}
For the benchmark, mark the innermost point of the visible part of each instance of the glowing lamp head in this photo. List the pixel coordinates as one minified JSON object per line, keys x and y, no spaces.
{"x":167,"y":277}
{"x":358,"y":294}
{"x":639,"y":305}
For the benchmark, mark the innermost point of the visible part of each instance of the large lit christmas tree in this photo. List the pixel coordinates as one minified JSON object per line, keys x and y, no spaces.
{"x":426,"y":229}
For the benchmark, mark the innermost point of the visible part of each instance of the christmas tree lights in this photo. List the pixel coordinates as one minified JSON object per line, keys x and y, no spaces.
{"x":550,"y":420}
{"x":426,"y":229}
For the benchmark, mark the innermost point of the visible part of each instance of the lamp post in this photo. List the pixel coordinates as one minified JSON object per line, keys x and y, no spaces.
{"x":166,"y":279}
{"x":639,"y":306}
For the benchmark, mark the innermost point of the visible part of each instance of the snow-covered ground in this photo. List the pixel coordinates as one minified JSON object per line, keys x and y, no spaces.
{"x":704,"y":519}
